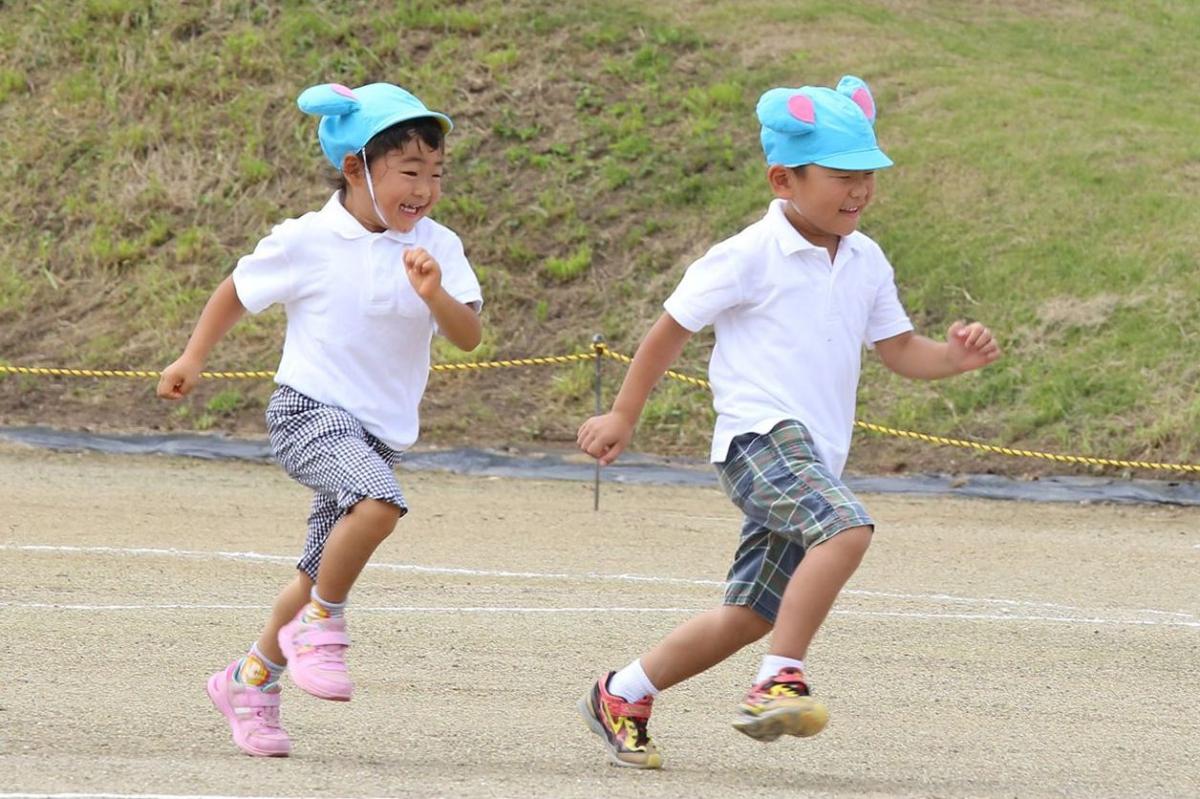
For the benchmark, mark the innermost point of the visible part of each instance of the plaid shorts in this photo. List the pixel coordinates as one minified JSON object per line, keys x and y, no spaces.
{"x":791,"y":502}
{"x":327,"y":449}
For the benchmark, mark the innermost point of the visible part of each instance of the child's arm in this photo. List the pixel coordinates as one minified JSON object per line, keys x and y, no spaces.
{"x":966,"y":347}
{"x":458,"y":322}
{"x":605,"y":437}
{"x":221,"y":313}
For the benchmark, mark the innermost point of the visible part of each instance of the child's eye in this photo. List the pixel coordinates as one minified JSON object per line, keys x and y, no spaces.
{"x":409,"y":174}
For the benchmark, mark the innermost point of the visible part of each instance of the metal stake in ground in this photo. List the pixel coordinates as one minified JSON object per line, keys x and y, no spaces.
{"x":598,"y":349}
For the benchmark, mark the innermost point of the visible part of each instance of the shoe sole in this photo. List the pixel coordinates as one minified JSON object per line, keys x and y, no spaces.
{"x":585,"y":709}
{"x":217,"y":697}
{"x":803,"y":719}
{"x":312,"y":690}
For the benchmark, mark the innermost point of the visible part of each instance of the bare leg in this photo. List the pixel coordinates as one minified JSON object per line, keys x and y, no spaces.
{"x":813,"y":588}
{"x":287,"y":604}
{"x":351,"y":544}
{"x":701,"y":643}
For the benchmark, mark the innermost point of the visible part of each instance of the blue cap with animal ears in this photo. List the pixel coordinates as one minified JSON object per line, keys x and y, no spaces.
{"x":351,"y":117}
{"x":816,"y":125}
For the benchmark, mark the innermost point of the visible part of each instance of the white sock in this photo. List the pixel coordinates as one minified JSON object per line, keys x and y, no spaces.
{"x":773,"y":664}
{"x":320,"y":609}
{"x":631,"y":683}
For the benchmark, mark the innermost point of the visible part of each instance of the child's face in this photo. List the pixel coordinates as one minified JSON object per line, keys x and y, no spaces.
{"x":823,"y":203}
{"x":407,"y":182}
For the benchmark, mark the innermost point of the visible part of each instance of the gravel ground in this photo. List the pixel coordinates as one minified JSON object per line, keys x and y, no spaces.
{"x":985,"y":649}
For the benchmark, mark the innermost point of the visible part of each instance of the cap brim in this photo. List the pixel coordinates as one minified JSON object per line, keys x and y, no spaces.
{"x":856,"y":161}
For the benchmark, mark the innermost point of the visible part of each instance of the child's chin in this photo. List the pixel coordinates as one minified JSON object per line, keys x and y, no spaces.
{"x":405,"y":224}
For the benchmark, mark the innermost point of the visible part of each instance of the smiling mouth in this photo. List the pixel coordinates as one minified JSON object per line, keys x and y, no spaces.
{"x":412,"y":209}
{"x":853,"y":210}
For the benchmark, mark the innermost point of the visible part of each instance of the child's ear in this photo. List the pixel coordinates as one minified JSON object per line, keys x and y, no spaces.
{"x":780,"y":178}
{"x":858,"y":91}
{"x":352,"y":168}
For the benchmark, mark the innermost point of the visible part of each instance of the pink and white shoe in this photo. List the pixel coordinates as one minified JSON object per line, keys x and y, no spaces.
{"x":253,"y":715}
{"x":316,"y":656}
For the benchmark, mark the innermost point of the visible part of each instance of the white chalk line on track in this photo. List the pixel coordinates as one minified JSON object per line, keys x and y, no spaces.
{"x":143,"y":796}
{"x":416,"y":609}
{"x":1091,"y":616}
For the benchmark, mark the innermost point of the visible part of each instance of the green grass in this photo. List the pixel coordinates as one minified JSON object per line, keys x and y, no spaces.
{"x":1046,"y":168}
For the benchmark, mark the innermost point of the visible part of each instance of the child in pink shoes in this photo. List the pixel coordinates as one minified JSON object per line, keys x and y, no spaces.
{"x":366,"y":282}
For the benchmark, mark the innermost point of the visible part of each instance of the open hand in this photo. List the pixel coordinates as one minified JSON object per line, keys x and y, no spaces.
{"x":605,"y":437}
{"x":423,"y":272}
{"x":971,"y":346}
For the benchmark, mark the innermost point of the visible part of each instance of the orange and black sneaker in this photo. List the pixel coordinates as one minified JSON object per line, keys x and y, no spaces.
{"x":781,"y":705}
{"x":621,"y":725}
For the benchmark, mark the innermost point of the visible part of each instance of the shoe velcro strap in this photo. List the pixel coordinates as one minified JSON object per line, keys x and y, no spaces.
{"x":632,"y":710}
{"x":326,"y":638}
{"x":261,"y":698}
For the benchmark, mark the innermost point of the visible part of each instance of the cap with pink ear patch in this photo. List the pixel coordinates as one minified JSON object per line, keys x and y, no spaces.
{"x":802,"y":108}
{"x":351,"y":117}
{"x":834,"y":128}
{"x":860,"y":93}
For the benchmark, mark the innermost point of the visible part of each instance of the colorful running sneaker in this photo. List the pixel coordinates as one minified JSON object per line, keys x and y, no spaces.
{"x":621,"y":725}
{"x":316,"y":656}
{"x":253,"y":714}
{"x":781,"y":705}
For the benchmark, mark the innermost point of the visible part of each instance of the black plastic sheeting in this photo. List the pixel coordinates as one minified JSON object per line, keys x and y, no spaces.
{"x":632,"y":468}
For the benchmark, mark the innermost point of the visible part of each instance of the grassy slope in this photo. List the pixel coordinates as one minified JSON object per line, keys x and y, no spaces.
{"x":1046,"y":158}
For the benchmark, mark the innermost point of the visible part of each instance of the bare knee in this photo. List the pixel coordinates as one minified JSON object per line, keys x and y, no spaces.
{"x":378,"y":516}
{"x":851,"y":544}
{"x":743,"y":625}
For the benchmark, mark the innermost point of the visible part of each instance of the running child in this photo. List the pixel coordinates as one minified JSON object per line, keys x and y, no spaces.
{"x":365,"y":281}
{"x":792,"y":299}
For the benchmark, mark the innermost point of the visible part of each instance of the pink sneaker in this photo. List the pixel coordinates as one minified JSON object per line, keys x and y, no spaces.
{"x":316,"y":656}
{"x":253,"y":715}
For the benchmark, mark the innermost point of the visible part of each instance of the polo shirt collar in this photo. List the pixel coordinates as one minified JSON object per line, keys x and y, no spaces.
{"x":343,"y":223}
{"x":790,"y":240}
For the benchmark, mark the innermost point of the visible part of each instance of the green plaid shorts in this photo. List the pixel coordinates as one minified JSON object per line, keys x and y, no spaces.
{"x":791,"y":502}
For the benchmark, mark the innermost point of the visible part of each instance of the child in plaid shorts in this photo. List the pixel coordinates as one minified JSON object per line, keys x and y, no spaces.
{"x":792,"y":299}
{"x":365,"y":283}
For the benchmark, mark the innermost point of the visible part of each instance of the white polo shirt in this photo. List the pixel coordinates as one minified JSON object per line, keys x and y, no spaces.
{"x":790,"y":327}
{"x":358,"y":334}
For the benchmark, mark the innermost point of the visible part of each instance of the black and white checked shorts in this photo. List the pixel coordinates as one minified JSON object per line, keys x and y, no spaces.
{"x":328,"y":450}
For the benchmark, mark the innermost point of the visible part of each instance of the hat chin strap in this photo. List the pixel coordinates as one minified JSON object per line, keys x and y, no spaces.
{"x":796,"y":208}
{"x":371,"y":189}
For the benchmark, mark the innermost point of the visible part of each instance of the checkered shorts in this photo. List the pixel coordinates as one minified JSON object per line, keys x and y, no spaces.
{"x":791,"y":502}
{"x":327,"y":449}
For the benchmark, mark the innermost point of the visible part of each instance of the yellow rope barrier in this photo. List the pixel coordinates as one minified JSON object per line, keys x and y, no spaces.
{"x":142,"y":373}
{"x":1027,"y":453}
{"x":961,"y":443}
{"x":599,"y":349}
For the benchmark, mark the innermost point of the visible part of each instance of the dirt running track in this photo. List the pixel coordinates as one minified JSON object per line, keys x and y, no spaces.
{"x":985,"y":649}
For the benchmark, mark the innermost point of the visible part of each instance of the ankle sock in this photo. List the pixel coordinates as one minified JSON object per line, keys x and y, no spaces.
{"x":257,"y":671}
{"x":321,"y":610}
{"x":773,"y":664}
{"x":631,"y":683}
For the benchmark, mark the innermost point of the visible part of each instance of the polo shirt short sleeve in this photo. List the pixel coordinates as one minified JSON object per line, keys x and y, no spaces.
{"x":888,"y":317}
{"x":710,"y":286}
{"x":458,"y":278}
{"x":265,"y":276}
